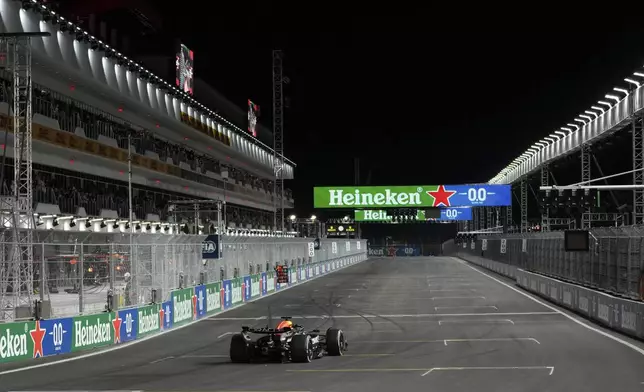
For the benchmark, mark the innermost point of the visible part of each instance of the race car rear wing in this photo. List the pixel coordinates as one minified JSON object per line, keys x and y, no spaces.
{"x":267,"y":331}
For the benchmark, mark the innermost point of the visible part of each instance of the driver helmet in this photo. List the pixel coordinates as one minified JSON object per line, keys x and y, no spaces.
{"x":284,"y":324}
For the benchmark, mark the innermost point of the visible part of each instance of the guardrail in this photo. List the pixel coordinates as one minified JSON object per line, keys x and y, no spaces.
{"x":620,"y":314}
{"x":43,"y":338}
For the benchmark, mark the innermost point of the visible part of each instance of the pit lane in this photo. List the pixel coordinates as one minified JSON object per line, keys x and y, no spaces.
{"x":434,"y":323}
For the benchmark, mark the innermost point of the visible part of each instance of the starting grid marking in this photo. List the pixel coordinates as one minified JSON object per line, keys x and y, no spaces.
{"x":446,"y":341}
{"x":550,"y":369}
{"x":371,"y":316}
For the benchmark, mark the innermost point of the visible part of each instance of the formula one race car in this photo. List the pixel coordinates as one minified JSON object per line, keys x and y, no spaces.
{"x":287,"y":342}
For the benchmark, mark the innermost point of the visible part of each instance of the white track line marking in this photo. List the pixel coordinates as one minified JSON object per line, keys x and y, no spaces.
{"x":372,"y":316}
{"x":473,"y":297}
{"x":224,"y":334}
{"x":554,"y":309}
{"x":550,"y":368}
{"x":155,"y":335}
{"x":161,"y":360}
{"x":436,"y":308}
{"x":445,"y":341}
{"x":474,"y":322}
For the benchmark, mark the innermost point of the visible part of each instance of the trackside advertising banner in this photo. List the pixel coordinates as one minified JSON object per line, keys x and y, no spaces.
{"x":484,"y":195}
{"x":35,"y":339}
{"x":394,"y":251}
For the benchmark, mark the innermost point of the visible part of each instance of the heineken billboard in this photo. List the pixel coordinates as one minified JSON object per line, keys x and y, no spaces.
{"x":484,"y":195}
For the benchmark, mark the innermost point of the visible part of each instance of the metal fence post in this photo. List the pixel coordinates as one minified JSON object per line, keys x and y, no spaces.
{"x":43,"y":277}
{"x":82,"y":278}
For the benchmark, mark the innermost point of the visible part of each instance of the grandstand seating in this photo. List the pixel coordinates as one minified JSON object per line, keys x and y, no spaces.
{"x":70,"y":190}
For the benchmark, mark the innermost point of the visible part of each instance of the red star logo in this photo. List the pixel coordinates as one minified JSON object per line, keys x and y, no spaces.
{"x":194,"y":307}
{"x":161,"y":320}
{"x":441,"y":196}
{"x":391,"y":251}
{"x":116,"y":324}
{"x":37,"y":336}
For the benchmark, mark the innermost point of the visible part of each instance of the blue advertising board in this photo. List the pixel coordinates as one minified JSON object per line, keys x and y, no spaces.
{"x":483,"y":195}
{"x":202,"y":296}
{"x":228,"y":294}
{"x":456,"y":213}
{"x":166,"y":310}
{"x":210,"y":247}
{"x":247,"y":288}
{"x":58,"y":336}
{"x":264,"y":284}
{"x":129,"y":324}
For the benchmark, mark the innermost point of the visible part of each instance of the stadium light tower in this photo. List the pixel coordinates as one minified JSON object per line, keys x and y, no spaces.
{"x":611,"y":96}
{"x":610,"y":105}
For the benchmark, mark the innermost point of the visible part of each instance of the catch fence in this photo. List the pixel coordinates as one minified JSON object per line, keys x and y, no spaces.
{"x":73,"y":273}
{"x":614,"y":263}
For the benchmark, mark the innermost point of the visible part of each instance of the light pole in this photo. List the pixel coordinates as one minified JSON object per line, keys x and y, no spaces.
{"x":224,"y":176}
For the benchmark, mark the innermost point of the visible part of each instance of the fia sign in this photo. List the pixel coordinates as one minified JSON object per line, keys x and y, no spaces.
{"x":210,"y":247}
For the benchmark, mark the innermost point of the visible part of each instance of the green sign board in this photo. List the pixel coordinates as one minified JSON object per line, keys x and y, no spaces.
{"x":16,"y":341}
{"x":213,"y":298}
{"x":372,"y":196}
{"x":182,"y":306}
{"x":149,"y":319}
{"x":237,"y":292}
{"x":96,"y":330}
{"x":384,"y":216}
{"x":256,"y":285}
{"x":371,"y":216}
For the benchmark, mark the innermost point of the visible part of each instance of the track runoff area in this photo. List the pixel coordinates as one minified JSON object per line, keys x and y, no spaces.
{"x":425,"y":323}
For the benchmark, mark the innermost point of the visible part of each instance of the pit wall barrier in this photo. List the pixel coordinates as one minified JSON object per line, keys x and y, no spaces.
{"x":620,"y":314}
{"x":42,"y":338}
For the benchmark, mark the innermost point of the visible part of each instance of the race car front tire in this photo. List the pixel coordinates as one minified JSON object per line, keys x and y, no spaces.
{"x":301,"y":348}
{"x":239,"y":349}
{"x":335,"y":342}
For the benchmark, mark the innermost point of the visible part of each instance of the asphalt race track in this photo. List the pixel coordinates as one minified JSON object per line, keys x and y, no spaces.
{"x":430,"y":323}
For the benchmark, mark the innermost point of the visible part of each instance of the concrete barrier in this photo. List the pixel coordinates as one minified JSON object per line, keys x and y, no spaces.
{"x":620,"y":314}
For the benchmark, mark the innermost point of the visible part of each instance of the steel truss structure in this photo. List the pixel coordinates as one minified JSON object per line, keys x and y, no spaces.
{"x":638,"y":169}
{"x":561,"y":222}
{"x":524,"y":205}
{"x":585,"y":178}
{"x":508,"y":215}
{"x":18,"y":223}
{"x":618,"y":218}
{"x":545,"y":213}
{"x":481,"y":214}
{"x":186,"y":208}
{"x":278,"y":141}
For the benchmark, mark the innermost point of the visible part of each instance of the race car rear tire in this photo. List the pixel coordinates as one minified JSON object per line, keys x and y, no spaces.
{"x":301,"y":348}
{"x":335,"y":342}
{"x":239,"y":349}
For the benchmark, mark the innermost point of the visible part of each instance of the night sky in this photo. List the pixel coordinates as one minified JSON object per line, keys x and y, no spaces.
{"x":441,"y":105}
